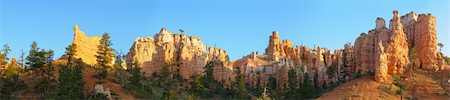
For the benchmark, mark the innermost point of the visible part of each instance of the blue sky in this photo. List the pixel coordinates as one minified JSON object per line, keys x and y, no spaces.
{"x":238,"y":26}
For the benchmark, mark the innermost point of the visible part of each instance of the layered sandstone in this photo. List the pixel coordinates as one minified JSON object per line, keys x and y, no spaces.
{"x":87,"y":46}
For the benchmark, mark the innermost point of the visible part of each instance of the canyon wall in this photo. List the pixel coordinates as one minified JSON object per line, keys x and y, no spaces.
{"x":382,"y":51}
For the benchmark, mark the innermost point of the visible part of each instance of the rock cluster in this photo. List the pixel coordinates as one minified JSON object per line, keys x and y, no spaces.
{"x":405,"y":33}
{"x":382,"y":51}
{"x":280,"y":57}
{"x":167,"y":49}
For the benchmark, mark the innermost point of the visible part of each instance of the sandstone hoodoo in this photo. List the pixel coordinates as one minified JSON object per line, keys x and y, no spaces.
{"x":404,"y":34}
{"x":380,"y":63}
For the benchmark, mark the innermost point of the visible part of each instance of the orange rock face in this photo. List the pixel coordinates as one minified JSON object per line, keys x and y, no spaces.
{"x":223,"y":69}
{"x":397,"y":46}
{"x":380,"y":63}
{"x":425,"y":42}
{"x":404,"y":34}
{"x":86,"y":46}
{"x":168,"y":49}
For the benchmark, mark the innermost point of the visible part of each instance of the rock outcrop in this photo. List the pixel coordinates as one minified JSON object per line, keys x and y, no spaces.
{"x":425,"y":42}
{"x":409,"y":32}
{"x":87,"y":47}
{"x":380,"y":64}
{"x":394,"y":42}
{"x":421,"y":32}
{"x":167,"y":49}
{"x":223,"y":69}
{"x":397,"y":46}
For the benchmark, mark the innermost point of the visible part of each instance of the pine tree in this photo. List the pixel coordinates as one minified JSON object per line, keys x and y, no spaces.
{"x":70,"y":80}
{"x":136,"y":75}
{"x":272,"y":83}
{"x":197,"y":86}
{"x":240,"y":86}
{"x":104,"y":57}
{"x":21,"y":60}
{"x":293,"y":84}
{"x":307,"y":90}
{"x":344,"y":68}
{"x":40,"y":61}
{"x":6,"y":51}
{"x":331,"y":72}
{"x":4,"y":56}
{"x":119,"y":71}
{"x":33,"y":58}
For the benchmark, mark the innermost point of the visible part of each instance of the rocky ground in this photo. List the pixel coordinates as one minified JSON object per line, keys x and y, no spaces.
{"x":424,"y":86}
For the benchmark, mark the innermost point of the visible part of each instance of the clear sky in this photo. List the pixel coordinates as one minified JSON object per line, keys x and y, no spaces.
{"x":238,"y":26}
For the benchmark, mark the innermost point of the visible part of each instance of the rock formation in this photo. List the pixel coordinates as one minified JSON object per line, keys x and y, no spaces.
{"x":87,"y":47}
{"x":425,"y":41}
{"x":421,"y":32}
{"x":397,"y":46}
{"x":143,"y":50}
{"x":405,"y":33}
{"x":167,"y":49}
{"x":223,"y":69}
{"x":380,"y":63}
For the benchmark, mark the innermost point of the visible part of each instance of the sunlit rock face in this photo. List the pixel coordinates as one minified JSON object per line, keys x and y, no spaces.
{"x":167,"y":49}
{"x":87,"y":46}
{"x":425,"y":42}
{"x":405,"y":33}
{"x":393,"y":40}
{"x":382,"y":51}
{"x":380,"y":63}
{"x":223,"y":69}
{"x":397,"y":46}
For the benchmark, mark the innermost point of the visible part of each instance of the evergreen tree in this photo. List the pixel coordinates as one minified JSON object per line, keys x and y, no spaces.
{"x":272,"y":83}
{"x":40,"y":61}
{"x":33,"y":59}
{"x":197,"y":86}
{"x":213,"y":87}
{"x":344,"y":68}
{"x":331,"y":72}
{"x":136,"y":75}
{"x":21,"y":60}
{"x":293,"y":84}
{"x":240,"y":86}
{"x":119,"y":70}
{"x":4,"y":56}
{"x":70,"y":80}
{"x":307,"y":90}
{"x":6,"y":51}
{"x":104,"y":57}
